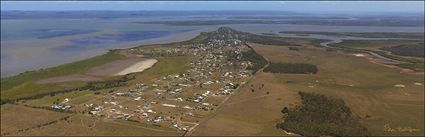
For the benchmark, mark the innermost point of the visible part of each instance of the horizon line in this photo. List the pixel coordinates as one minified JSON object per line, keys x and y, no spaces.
{"x":209,"y":10}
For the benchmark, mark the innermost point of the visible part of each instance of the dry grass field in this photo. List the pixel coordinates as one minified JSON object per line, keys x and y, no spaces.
{"x":15,"y":118}
{"x":251,"y":113}
{"x":79,"y":125}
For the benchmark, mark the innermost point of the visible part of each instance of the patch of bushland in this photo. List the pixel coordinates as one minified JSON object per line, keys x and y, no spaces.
{"x":256,"y":59}
{"x":319,"y":115}
{"x":293,"y":48}
{"x":98,"y":85}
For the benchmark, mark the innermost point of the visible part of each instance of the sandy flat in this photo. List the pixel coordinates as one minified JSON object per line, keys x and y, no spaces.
{"x":138,"y":67}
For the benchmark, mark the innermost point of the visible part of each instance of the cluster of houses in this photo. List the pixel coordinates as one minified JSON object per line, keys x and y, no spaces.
{"x":215,"y":72}
{"x":64,"y":105}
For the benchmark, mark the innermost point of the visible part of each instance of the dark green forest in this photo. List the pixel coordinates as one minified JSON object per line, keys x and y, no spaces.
{"x":257,"y":60}
{"x":319,"y":115}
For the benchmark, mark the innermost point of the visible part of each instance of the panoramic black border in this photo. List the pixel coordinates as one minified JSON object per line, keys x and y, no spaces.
{"x":218,"y":0}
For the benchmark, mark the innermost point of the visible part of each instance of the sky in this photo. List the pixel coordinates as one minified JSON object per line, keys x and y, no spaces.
{"x":300,"y":6}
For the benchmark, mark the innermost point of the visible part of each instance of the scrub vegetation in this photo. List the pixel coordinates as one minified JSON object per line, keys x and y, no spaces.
{"x":320,"y":115}
{"x":257,"y":60}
